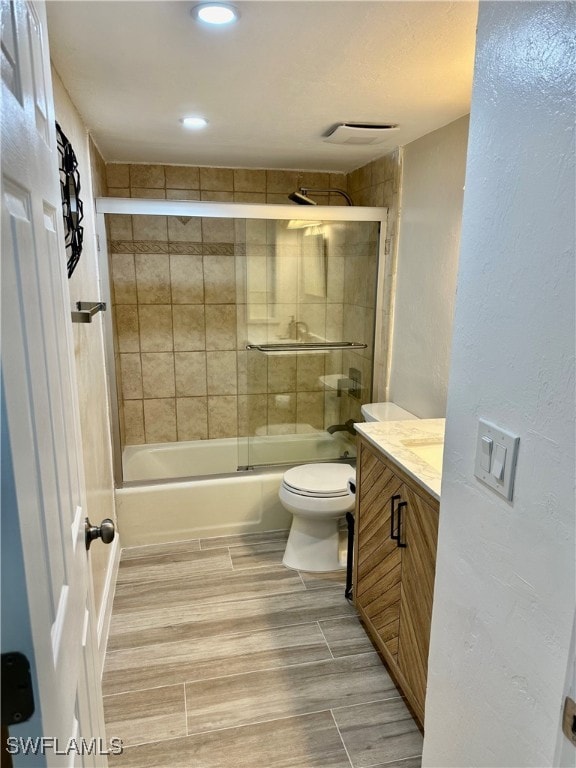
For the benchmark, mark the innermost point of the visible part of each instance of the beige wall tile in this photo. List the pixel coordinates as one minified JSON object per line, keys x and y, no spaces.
{"x":119,"y":226}
{"x":252,"y":372}
{"x":155,"y":327}
{"x":187,"y":278}
{"x":282,"y":411}
{"x":221,"y":179}
{"x":182,"y":177}
{"x":221,"y":326}
{"x":134,"y":422}
{"x":146,"y":193}
{"x":281,"y":373}
{"x":249,"y":181}
{"x":150,"y":228}
{"x":184,"y":229}
{"x":282,"y":181}
{"x":190,"y":374}
{"x":211,"y":195}
{"x":182,"y":194}
{"x":218,"y":230}
{"x":118,"y":174}
{"x":310,"y":409}
{"x":256,"y":231}
{"x":219,"y":279}
{"x":192,"y":418}
{"x":339,"y":180}
{"x":124,"y":278}
{"x":158,"y":374}
{"x":131,"y":372}
{"x":221,"y":373}
{"x":118,"y":191}
{"x":153,"y":278}
{"x":279,"y":198}
{"x":314,"y":179}
{"x":160,"y":420}
{"x":252,"y":414}
{"x":222,"y":417}
{"x":147,"y":176}
{"x":127,"y":327}
{"x":249,"y":197}
{"x":309,"y":368}
{"x":189,"y":327}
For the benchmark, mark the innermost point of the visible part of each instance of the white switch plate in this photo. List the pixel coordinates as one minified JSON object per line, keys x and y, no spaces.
{"x":505,"y":486}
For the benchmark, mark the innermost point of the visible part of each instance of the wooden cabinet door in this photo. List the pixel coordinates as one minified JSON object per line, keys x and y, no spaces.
{"x":377,"y":557}
{"x":420,"y":534}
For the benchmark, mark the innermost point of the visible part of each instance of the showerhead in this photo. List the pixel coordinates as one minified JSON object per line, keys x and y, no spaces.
{"x":301,"y":199}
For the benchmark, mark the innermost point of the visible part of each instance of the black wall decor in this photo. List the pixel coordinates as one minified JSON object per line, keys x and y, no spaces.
{"x":71,"y":203}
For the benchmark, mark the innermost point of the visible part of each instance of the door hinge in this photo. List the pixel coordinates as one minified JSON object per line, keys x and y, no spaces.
{"x":17,"y":693}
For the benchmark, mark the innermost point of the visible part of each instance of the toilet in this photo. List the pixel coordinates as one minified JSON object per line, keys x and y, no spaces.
{"x":317,"y":496}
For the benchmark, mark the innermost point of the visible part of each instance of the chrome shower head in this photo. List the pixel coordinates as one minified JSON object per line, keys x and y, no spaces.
{"x":301,"y":199}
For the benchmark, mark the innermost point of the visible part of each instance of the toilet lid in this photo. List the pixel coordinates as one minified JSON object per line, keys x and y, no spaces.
{"x":322,"y":480}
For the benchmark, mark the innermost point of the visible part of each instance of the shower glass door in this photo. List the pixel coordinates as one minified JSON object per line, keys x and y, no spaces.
{"x":239,"y":335}
{"x":310,"y":316}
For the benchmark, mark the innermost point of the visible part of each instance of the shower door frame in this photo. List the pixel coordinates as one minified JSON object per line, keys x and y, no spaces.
{"x":206,"y":209}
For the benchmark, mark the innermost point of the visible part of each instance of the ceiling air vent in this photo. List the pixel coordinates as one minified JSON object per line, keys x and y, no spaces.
{"x":360,"y":133}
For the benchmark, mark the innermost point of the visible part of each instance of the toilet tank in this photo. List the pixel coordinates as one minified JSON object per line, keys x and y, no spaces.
{"x":385,"y":412}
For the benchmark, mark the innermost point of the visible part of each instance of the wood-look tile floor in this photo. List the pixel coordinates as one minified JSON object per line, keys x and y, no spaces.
{"x":220,"y":657}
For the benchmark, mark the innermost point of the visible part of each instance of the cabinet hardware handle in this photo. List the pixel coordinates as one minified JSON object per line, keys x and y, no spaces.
{"x":393,"y":500}
{"x":401,"y":506}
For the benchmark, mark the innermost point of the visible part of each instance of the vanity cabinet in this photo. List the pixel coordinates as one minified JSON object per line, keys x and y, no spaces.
{"x":395,"y":559}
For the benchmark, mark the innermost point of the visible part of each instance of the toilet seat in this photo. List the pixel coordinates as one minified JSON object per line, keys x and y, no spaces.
{"x":321,"y":481}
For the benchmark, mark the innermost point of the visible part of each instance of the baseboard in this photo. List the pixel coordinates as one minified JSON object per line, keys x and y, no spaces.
{"x":105,"y":615}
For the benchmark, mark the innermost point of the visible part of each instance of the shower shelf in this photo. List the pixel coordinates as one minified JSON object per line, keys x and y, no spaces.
{"x":327,"y":346}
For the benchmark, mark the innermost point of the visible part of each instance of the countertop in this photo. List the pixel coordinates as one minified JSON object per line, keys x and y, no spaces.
{"x":424,"y":437}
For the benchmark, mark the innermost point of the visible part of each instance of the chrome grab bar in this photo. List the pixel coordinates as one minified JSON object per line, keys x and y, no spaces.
{"x":325,"y":346}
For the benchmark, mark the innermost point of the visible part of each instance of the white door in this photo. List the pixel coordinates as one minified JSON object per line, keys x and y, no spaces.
{"x":47,"y":602}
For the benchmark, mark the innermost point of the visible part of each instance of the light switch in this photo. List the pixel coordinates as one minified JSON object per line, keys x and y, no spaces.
{"x":496,"y":456}
{"x":499,"y":462}
{"x":486,"y":457}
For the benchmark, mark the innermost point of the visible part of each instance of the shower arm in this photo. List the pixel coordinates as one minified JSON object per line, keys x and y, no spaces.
{"x":304,"y":191}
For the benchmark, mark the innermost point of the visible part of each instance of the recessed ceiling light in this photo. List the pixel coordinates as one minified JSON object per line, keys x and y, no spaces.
{"x":215,"y":13}
{"x":194,"y":123}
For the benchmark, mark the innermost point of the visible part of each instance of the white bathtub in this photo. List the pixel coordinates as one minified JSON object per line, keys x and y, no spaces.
{"x":242,"y":502}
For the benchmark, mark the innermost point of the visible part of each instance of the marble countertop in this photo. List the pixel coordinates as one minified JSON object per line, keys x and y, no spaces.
{"x":415,"y":445}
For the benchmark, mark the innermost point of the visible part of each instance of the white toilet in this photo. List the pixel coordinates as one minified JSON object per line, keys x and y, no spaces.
{"x":317,"y":495}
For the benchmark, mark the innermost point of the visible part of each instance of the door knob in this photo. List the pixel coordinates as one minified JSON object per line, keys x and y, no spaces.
{"x":105,"y":531}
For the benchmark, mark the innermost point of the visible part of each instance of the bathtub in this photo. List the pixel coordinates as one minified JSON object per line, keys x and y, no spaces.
{"x":186,"y":503}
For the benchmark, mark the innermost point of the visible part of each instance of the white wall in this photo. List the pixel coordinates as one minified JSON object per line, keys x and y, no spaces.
{"x":433,"y":170}
{"x":505,"y":581}
{"x":84,"y":285}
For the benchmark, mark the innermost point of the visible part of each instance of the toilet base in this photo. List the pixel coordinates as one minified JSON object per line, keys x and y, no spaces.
{"x":313,"y":545}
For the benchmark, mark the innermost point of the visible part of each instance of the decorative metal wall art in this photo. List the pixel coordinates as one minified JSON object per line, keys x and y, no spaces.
{"x":72,"y":208}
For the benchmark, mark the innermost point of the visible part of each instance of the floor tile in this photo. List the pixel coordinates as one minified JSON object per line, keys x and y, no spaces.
{"x":346,"y":637}
{"x":210,"y":587}
{"x":216,"y":542}
{"x":380,"y":732}
{"x":305,"y":688}
{"x":189,"y":545}
{"x":197,"y":659}
{"x":311,"y":741}
{"x":257,"y":555}
{"x":147,"y":715}
{"x":175,"y":565}
{"x":169,"y":624}
{"x":319,"y":580}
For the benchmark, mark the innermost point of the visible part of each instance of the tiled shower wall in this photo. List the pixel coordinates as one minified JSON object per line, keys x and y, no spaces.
{"x":182,"y":368}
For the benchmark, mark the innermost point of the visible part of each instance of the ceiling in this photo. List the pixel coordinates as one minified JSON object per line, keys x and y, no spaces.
{"x":271,"y":85}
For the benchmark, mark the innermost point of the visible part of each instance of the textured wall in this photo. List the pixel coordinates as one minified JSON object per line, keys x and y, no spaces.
{"x":433,"y":169}
{"x":505,"y":581}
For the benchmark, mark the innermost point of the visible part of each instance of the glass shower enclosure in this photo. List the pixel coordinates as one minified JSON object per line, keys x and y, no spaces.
{"x":240,"y":335}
